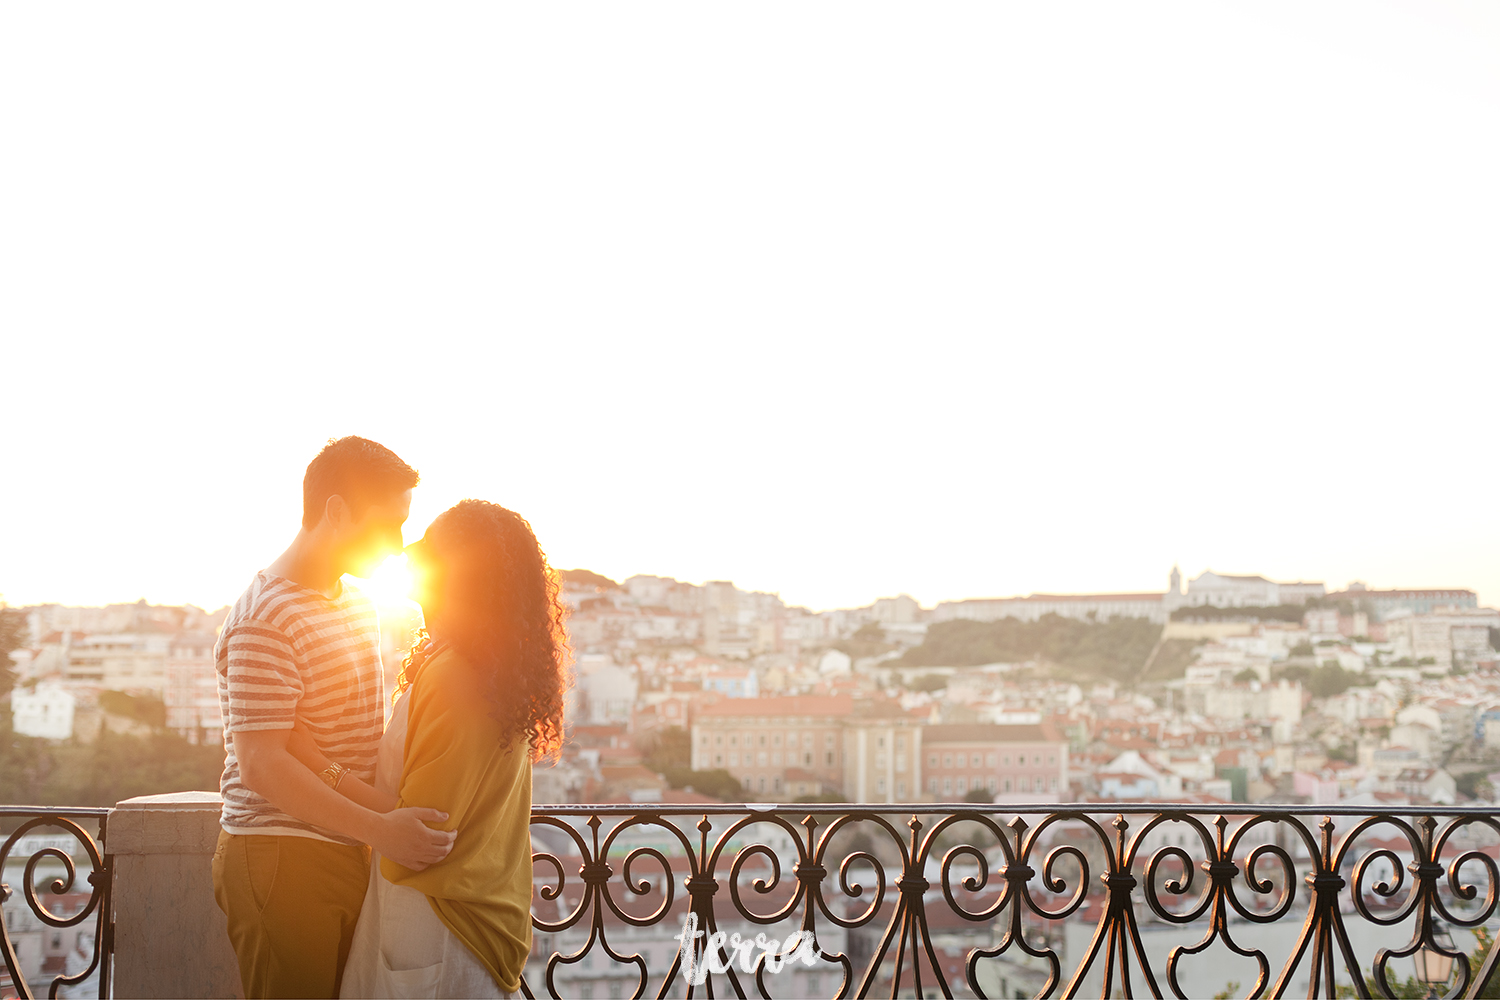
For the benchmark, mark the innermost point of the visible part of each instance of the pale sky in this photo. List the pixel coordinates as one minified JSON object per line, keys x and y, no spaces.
{"x":838,"y":301}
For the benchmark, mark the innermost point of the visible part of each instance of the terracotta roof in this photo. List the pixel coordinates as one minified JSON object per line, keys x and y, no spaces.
{"x":796,"y":705}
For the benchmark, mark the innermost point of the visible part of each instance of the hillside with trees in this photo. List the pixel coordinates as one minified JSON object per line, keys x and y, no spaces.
{"x":1084,"y":650}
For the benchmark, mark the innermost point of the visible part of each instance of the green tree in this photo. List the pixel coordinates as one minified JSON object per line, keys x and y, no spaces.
{"x":668,"y":748}
{"x":980,"y":795}
{"x":147,"y":708}
{"x":717,"y":782}
{"x":35,"y":771}
{"x":1475,"y":784}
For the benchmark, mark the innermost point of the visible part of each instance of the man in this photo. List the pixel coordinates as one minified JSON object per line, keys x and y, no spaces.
{"x":300,"y":649}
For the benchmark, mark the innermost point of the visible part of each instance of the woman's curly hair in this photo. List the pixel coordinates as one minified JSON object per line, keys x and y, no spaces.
{"x":503,"y":615}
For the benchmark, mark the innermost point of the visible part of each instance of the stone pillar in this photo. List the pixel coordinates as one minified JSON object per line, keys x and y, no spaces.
{"x":170,"y":936}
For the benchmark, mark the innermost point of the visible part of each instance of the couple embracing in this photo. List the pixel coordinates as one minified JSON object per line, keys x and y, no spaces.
{"x":361,"y":858}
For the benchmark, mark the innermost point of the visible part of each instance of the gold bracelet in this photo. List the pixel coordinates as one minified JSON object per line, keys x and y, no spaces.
{"x":333,"y":774}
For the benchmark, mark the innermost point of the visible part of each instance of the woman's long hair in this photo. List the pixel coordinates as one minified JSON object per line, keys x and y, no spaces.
{"x":501,"y":613}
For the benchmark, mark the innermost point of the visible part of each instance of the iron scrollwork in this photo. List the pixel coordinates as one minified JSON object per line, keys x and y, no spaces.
{"x":944,"y":900}
{"x":69,"y":825}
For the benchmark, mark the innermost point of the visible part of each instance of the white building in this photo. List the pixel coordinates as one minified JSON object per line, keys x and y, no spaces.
{"x":46,"y":711}
{"x":609,"y":694}
{"x":1221,"y":590}
{"x":1446,"y":636}
{"x":1096,"y":607}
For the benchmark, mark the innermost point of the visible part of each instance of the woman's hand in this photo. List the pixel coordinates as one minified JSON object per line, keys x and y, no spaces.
{"x":404,"y":836}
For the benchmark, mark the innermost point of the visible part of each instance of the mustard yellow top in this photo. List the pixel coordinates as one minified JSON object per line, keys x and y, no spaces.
{"x":456,"y":762}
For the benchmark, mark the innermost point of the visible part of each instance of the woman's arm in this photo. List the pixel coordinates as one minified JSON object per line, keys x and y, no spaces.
{"x":301,"y":746}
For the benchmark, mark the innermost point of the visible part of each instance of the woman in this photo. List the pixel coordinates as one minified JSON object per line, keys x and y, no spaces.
{"x":478,"y":699}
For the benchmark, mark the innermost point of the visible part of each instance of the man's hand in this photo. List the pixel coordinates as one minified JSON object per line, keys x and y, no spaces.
{"x":404,"y":836}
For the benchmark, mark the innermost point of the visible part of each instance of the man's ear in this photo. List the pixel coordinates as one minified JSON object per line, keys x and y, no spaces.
{"x":335,"y":511}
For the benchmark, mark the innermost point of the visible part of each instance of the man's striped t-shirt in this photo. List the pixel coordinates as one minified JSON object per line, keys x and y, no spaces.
{"x":288,"y":654}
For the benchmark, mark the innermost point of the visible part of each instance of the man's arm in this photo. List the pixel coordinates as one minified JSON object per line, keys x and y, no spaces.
{"x":270,"y":771}
{"x":301,"y":746}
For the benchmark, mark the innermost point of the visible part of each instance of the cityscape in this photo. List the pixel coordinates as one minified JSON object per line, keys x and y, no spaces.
{"x":1229,"y":688}
{"x":1219,"y":690}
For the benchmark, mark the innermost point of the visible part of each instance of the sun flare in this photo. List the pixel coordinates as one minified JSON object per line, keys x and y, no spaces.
{"x":391,"y":583}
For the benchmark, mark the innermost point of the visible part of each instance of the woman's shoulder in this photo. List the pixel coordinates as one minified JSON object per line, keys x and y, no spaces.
{"x":448,"y":676}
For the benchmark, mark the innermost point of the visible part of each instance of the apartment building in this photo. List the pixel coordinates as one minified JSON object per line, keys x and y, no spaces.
{"x":758,"y":739}
{"x":1024,"y":762}
{"x":882,"y":753}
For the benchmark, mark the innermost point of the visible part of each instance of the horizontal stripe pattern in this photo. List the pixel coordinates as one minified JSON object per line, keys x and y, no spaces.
{"x":288,"y":654}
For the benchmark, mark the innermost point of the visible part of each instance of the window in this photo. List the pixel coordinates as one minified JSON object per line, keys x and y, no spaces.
{"x":776,"y":739}
{"x":828,"y":740}
{"x":748,"y":741}
{"x":901,"y":789}
{"x":1052,"y":758}
{"x":1025,"y":784}
{"x":1052,"y":782}
{"x":807,"y":739}
{"x":900,"y":761}
{"x":932,"y":785}
{"x":828,"y":758}
{"x":1007,"y":760}
{"x":718,"y":741}
{"x":989,"y":760}
{"x":762,"y":740}
{"x":992,"y":784}
{"x":880,"y":787}
{"x":734,"y":760}
{"x":976,"y":760}
{"x":791,"y":739}
{"x":734,"y":741}
{"x":932,"y":760}
{"x":880,"y":742}
{"x":746,"y":782}
{"x":762,"y":782}
{"x":703,"y":740}
{"x":947,"y":786}
{"x":1007,"y":784}
{"x":762,"y":758}
{"x":777,"y":783}
{"x":961,"y":786}
{"x":1037,"y":760}
{"x":947,"y":760}
{"x":900,"y":743}
{"x":880,"y":761}
{"x":776,"y":758}
{"x":718,"y":760}
{"x":807,"y":758}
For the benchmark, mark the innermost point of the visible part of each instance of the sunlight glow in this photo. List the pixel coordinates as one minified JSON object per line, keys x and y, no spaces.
{"x":390,"y":585}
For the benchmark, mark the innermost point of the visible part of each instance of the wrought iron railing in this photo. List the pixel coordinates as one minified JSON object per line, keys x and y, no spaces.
{"x":944,"y":900}
{"x":88,"y":897}
{"x":959,"y":900}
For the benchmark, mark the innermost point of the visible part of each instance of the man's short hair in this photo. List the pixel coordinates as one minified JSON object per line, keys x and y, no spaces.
{"x":357,"y":469}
